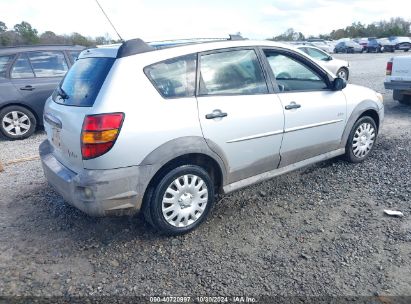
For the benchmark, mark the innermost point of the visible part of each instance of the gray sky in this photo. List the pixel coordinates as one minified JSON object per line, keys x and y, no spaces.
{"x":161,"y":19}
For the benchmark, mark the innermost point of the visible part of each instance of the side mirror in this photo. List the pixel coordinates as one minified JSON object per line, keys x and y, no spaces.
{"x":339,"y":84}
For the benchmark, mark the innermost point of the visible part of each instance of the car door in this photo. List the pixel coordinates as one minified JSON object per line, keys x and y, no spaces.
{"x":239,"y":117}
{"x":36,"y":74}
{"x":314,"y":114}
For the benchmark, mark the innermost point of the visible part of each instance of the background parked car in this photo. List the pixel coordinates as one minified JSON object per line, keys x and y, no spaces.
{"x":398,"y":78}
{"x":401,"y":43}
{"x":321,"y":44}
{"x":337,"y":66}
{"x":363,"y":42}
{"x":386,"y":45}
{"x":28,"y":76}
{"x":348,"y":47}
{"x":373,"y":46}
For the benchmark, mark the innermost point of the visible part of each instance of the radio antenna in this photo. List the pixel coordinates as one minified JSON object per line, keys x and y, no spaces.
{"x":112,"y":25}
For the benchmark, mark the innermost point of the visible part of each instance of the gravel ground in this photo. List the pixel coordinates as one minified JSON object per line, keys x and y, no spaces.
{"x":315,"y":232}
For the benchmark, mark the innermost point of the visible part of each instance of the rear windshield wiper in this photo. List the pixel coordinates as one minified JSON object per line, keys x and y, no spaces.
{"x":62,"y":93}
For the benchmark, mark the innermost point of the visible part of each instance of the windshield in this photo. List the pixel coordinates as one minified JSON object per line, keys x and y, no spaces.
{"x":83,"y":81}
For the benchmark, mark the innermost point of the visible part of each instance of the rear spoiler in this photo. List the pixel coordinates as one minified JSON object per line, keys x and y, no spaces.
{"x":132,"y":47}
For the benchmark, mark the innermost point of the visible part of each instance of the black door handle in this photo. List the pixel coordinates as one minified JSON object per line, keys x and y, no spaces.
{"x":216,"y":114}
{"x":292,"y":105}
{"x":27,"y":88}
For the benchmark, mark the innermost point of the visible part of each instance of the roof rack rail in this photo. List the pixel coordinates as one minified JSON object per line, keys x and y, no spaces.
{"x":187,"y":41}
{"x":37,"y":45}
{"x":183,"y":40}
{"x":137,"y":46}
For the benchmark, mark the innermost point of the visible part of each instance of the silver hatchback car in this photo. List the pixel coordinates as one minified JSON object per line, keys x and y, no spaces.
{"x":163,"y":127}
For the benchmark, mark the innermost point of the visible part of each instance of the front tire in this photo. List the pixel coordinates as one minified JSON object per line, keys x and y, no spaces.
{"x":181,"y":200}
{"x":343,"y":73}
{"x":361,"y":140}
{"x":17,"y":122}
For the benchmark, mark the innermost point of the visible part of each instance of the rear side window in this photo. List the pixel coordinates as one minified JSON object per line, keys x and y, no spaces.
{"x":4,"y":63}
{"x":22,"y":68}
{"x":48,"y":64}
{"x":175,"y":77}
{"x":83,"y":81}
{"x":231,"y":72}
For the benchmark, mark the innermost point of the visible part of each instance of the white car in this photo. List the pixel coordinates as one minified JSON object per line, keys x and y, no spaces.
{"x":337,"y":66}
{"x":322,"y":45}
{"x":398,"y":78}
{"x":162,"y":128}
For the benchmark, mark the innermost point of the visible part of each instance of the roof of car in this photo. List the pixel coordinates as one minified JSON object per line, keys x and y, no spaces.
{"x":149,"y":55}
{"x":137,"y":46}
{"x":48,"y":47}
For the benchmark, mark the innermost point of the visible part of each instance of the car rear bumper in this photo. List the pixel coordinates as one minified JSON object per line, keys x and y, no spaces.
{"x":397,"y":85}
{"x":96,"y":192}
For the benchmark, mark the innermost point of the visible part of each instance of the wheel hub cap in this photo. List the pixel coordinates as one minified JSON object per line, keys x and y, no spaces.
{"x":363,"y":140}
{"x":184,"y":200}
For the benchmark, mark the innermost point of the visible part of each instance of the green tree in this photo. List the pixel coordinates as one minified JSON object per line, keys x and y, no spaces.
{"x":10,"y":38}
{"x":78,"y":39}
{"x":27,"y":32}
{"x":3,"y":27}
{"x":49,"y":37}
{"x":289,"y":35}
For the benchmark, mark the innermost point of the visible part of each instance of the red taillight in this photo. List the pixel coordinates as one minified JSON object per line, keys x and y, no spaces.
{"x":103,"y":122}
{"x":99,"y":133}
{"x":389,"y":68}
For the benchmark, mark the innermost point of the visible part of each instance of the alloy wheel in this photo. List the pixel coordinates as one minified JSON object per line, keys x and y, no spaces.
{"x":16,"y":123}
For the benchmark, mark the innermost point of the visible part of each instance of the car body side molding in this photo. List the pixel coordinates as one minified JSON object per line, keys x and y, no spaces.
{"x":276,"y":172}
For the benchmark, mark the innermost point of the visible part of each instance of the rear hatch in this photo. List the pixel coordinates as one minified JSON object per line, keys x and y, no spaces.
{"x":72,"y":100}
{"x":401,"y":69}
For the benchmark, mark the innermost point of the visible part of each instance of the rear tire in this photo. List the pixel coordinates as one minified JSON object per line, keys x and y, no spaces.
{"x":181,"y":200}
{"x":401,"y":98}
{"x":17,"y":122}
{"x":361,"y":141}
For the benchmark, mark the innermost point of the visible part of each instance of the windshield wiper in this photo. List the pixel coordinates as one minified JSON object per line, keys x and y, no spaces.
{"x":62,"y":93}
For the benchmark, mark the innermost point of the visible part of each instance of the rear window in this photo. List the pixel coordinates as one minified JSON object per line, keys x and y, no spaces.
{"x":83,"y":81}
